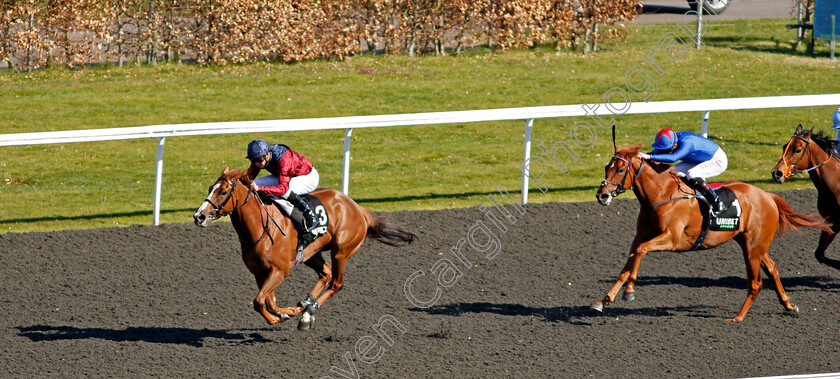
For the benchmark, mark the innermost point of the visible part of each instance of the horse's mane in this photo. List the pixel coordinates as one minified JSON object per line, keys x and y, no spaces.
{"x":632,"y":150}
{"x":828,"y":144}
{"x":236,"y":174}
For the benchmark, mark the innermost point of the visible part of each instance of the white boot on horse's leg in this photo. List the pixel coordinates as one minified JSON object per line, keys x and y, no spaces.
{"x":306,"y":321}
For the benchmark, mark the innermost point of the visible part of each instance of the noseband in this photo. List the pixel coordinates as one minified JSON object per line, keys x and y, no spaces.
{"x":619,"y":187}
{"x":218,"y":208}
{"x":791,"y":170}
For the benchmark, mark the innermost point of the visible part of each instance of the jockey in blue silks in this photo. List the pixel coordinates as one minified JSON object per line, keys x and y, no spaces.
{"x":699,"y":157}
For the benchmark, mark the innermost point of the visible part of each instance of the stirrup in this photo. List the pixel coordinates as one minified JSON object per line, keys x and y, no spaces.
{"x":308,"y":223}
{"x":718,"y":208}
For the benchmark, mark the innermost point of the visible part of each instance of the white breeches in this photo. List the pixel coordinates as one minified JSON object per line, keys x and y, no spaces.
{"x":707,"y":169}
{"x":299,"y":185}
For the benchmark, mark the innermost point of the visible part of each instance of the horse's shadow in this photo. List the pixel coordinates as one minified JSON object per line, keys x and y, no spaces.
{"x":575,"y":315}
{"x":584,"y":315}
{"x":176,"y":336}
{"x":735,"y":282}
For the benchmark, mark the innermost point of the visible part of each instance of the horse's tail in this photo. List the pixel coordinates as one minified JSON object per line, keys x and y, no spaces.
{"x":789,"y":219}
{"x":386,"y":233}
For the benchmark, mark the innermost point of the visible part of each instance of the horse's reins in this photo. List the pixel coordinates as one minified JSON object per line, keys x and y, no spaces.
{"x":218,"y":208}
{"x":619,"y":188}
{"x":791,"y":170}
{"x":265,"y":229}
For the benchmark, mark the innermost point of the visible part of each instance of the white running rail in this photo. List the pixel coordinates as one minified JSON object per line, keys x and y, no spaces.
{"x":408,"y":119}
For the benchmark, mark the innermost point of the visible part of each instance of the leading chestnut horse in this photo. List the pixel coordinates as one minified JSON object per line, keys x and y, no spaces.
{"x":814,"y":154}
{"x":669,"y":220}
{"x":269,"y":241}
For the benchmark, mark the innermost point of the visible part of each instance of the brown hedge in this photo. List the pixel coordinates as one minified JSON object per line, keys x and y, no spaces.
{"x":36,"y":34}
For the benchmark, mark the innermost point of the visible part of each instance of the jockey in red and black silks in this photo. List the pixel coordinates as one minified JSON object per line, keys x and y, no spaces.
{"x":292,"y":175}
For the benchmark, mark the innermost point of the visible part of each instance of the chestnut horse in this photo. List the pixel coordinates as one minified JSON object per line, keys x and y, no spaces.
{"x":269,"y":241}
{"x":823,"y":166}
{"x":669,"y":220}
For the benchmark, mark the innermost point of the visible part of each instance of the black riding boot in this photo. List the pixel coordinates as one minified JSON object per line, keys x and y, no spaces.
{"x":303,"y":207}
{"x":714,"y":201}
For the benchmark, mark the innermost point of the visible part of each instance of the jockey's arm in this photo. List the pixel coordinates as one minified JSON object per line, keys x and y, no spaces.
{"x":280,"y":189}
{"x":683,"y":149}
{"x":252,"y":171}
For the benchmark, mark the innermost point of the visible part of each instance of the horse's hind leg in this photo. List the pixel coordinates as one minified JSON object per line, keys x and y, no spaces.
{"x":324,"y":271}
{"x":769,"y":267}
{"x":340,"y":255}
{"x":825,"y":240}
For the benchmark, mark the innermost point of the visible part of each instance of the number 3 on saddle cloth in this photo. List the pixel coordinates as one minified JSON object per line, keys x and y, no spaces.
{"x":321,"y":222}
{"x":729,"y":220}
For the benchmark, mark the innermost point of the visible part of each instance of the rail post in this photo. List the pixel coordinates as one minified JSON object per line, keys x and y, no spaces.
{"x":704,"y":127}
{"x":345,"y":172}
{"x":158,"y":179}
{"x":525,"y":157}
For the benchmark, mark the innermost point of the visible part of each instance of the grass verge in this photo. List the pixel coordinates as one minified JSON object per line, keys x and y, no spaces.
{"x":87,"y":185}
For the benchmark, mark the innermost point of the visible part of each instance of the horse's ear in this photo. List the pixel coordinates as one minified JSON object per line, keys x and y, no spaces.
{"x":798,"y":128}
{"x":617,"y":149}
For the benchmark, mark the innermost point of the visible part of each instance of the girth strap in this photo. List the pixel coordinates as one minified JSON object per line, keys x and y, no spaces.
{"x":704,"y":226}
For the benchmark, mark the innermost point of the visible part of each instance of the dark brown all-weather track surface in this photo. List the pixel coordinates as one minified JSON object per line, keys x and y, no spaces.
{"x":174,"y":301}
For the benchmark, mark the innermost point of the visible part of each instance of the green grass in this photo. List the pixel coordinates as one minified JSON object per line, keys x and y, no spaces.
{"x":86,"y":185}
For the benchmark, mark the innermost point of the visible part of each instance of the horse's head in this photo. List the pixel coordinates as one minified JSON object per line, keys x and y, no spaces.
{"x":795,"y":155}
{"x":619,"y":174}
{"x":221,"y":198}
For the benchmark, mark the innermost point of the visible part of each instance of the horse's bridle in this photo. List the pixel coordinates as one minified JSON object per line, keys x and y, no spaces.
{"x":619,"y":188}
{"x":218,"y":208}
{"x":791,"y":170}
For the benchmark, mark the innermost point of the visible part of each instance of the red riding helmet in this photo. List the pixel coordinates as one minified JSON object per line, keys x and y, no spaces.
{"x":665,"y":140}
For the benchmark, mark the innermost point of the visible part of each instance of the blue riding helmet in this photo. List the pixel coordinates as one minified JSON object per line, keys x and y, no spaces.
{"x":836,"y":119}
{"x":665,"y":140}
{"x":257,"y":149}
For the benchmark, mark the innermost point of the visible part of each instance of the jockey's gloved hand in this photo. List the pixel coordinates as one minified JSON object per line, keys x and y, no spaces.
{"x":643,"y":155}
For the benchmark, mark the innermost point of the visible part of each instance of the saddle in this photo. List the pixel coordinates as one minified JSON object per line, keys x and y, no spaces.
{"x":321,"y":218}
{"x":729,"y":220}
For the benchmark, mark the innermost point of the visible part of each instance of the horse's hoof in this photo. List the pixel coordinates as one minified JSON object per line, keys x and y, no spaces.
{"x":629,"y":296}
{"x":793,"y":312}
{"x":597,"y":307}
{"x":306,"y":321}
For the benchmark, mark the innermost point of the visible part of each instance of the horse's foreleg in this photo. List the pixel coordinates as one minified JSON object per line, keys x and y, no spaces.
{"x":264,"y":303}
{"x":825,"y":240}
{"x":770,"y":269}
{"x":630,"y":271}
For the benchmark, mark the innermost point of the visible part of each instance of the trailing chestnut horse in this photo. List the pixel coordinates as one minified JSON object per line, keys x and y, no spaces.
{"x":823,"y":166}
{"x":669,"y":220}
{"x":269,"y":241}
